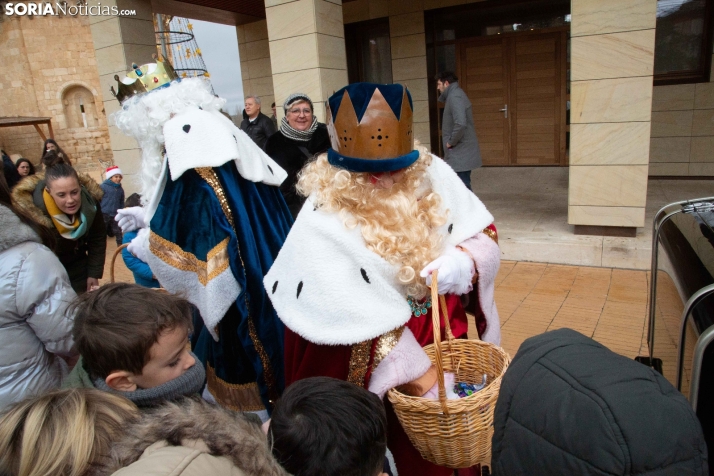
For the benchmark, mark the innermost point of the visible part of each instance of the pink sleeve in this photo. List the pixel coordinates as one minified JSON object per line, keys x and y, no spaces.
{"x":406,"y":362}
{"x":487,"y":256}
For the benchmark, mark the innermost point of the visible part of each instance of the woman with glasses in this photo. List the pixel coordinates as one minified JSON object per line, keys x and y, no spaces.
{"x":299,"y":138}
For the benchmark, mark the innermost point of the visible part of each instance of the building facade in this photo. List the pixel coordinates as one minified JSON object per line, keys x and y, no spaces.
{"x":49,"y":69}
{"x":553,"y":82}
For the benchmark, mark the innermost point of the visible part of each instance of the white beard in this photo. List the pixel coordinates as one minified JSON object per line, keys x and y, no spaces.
{"x":143,"y":118}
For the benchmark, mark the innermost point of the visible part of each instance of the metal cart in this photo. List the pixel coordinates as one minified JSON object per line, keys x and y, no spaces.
{"x":681,"y":304}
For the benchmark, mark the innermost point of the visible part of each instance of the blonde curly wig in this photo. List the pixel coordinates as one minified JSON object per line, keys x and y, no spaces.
{"x":399,"y":224}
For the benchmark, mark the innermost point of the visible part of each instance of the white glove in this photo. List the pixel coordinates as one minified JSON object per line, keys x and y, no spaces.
{"x":456,"y":269}
{"x":139,"y":246}
{"x":130,"y":219}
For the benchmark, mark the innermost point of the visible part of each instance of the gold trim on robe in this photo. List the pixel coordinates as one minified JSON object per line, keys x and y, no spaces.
{"x":237,"y":397}
{"x":386,"y":343}
{"x":491,"y":234}
{"x":209,"y":175}
{"x":170,"y":253}
{"x":360,"y":355}
{"x":359,"y":361}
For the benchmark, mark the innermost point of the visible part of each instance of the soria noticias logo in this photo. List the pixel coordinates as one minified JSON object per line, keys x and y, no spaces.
{"x":62,"y":8}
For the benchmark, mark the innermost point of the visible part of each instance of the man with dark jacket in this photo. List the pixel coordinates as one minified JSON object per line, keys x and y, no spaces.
{"x":568,"y":405}
{"x":257,"y":125}
{"x":461,"y":150}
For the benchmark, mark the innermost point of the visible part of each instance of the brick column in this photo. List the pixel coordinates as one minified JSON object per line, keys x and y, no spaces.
{"x":612,"y":60}
{"x":307,"y":49}
{"x":119,"y":42}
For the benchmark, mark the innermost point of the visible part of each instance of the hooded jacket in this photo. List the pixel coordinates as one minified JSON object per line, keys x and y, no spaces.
{"x":568,"y":405}
{"x":82,"y":258}
{"x":194,"y":438}
{"x":34,"y":293}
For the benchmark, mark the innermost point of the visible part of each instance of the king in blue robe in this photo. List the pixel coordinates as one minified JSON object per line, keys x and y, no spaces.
{"x":214,"y":232}
{"x":237,"y":226}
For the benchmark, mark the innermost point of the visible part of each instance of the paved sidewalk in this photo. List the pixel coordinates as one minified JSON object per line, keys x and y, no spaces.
{"x":530,"y":207}
{"x":609,"y":305}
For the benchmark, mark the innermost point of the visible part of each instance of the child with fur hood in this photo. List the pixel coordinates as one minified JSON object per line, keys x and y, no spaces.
{"x":193,"y":438}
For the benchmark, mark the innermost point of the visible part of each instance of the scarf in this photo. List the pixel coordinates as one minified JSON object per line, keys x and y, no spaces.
{"x":109,"y":182}
{"x":187,"y":384}
{"x":69,"y":229}
{"x":303,"y":136}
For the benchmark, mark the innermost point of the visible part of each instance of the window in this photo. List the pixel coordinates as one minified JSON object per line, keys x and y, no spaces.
{"x":369,"y":55}
{"x":79,"y":108}
{"x":682,"y":41}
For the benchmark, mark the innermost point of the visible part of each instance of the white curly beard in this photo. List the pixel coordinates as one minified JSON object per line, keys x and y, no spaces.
{"x":143,"y":117}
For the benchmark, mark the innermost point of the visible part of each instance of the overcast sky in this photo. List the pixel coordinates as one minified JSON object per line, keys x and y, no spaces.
{"x":219,"y":48}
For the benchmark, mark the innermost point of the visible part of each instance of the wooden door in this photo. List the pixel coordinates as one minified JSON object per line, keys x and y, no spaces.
{"x":538,"y":86}
{"x":528,"y":80}
{"x":484,"y":77}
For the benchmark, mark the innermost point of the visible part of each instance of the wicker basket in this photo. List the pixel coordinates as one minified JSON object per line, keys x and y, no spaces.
{"x":454,"y":433}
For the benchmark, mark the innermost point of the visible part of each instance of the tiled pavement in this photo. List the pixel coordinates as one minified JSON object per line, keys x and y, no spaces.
{"x":606,"y":304}
{"x":609,"y":305}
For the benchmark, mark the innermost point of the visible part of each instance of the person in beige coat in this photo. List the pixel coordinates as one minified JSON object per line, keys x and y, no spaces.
{"x":194,"y":438}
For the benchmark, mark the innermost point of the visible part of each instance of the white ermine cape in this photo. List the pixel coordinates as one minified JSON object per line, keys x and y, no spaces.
{"x":330,"y":289}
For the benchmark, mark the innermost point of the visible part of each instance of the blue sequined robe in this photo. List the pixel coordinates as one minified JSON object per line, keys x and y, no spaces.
{"x":214,"y":235}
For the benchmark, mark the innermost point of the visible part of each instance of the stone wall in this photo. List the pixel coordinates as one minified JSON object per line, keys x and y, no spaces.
{"x":48,"y":67}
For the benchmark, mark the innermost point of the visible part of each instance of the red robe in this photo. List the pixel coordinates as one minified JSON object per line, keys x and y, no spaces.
{"x":304,"y":359}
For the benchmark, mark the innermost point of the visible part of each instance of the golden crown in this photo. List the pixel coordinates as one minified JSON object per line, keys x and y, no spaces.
{"x":144,"y":78}
{"x":378,"y":133}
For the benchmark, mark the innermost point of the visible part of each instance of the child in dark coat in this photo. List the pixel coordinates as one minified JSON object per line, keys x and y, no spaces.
{"x":112,"y":201}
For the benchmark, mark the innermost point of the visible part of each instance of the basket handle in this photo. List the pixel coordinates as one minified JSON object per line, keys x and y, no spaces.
{"x":114,"y":258}
{"x":435,"y":321}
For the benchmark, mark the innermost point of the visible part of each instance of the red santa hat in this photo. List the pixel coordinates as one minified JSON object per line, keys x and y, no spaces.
{"x":113,"y":170}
